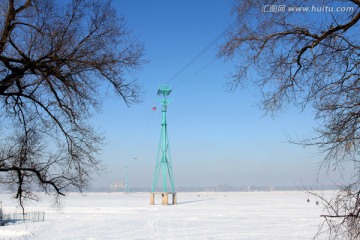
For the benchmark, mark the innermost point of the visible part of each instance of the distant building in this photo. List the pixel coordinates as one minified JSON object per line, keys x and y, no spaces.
{"x":116,"y":186}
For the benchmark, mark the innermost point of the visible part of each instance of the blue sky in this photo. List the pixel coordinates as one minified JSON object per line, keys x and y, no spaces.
{"x":216,"y":136}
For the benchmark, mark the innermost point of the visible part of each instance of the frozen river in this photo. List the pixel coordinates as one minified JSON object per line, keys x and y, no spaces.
{"x":243,"y":215}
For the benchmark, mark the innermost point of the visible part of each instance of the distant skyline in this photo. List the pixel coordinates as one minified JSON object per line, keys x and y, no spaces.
{"x":216,"y":136}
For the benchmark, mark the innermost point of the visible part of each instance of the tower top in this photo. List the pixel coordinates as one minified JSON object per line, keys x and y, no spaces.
{"x":164,"y":90}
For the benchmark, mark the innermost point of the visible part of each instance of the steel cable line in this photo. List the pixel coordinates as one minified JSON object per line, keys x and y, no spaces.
{"x":194,"y":74}
{"x":202,"y":52}
{"x":146,"y":133}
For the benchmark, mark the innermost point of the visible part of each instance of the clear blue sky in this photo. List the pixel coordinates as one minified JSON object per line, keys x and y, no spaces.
{"x":216,"y":137}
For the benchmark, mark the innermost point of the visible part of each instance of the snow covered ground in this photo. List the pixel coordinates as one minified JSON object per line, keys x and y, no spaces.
{"x":243,"y":215}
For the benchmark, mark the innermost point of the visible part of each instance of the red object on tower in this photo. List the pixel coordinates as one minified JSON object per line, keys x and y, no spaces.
{"x":154,"y":108}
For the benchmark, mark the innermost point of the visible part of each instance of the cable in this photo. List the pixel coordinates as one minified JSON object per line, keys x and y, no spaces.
{"x":202,"y":51}
{"x":194,"y":74}
{"x":146,"y":133}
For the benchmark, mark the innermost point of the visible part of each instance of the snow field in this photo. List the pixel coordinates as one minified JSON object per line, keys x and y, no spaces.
{"x":241,"y":215}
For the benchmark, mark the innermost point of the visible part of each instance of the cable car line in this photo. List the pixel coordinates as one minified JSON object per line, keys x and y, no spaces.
{"x":196,"y":73}
{"x":202,"y":51}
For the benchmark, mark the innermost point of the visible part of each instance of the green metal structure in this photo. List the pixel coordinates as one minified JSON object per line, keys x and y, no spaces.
{"x":163,"y":163}
{"x":126,"y":188}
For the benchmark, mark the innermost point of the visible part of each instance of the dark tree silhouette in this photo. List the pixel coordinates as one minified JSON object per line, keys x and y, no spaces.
{"x":307,"y":53}
{"x":54,"y":58}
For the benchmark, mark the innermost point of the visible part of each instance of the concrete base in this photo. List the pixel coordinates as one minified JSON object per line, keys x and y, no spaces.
{"x":164,"y":198}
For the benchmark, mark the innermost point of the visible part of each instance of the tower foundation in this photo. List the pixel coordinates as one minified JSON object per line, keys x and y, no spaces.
{"x":164,"y":198}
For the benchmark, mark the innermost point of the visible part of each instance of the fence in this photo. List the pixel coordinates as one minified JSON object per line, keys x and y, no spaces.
{"x":29,"y":216}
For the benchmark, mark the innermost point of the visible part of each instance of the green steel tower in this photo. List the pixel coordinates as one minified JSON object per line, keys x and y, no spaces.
{"x":163,"y":163}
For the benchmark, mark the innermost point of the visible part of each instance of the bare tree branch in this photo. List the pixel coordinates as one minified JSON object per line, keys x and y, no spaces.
{"x":313,"y":61}
{"x":54,"y":59}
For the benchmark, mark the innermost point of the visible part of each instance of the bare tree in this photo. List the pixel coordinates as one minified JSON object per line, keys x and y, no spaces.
{"x":54,"y":59}
{"x":307,"y":53}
